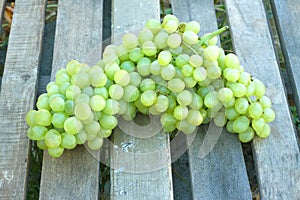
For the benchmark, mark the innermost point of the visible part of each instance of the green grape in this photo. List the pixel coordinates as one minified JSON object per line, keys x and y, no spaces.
{"x":195,"y":60}
{"x":182,"y":60}
{"x":97,"y":103}
{"x":81,"y":79}
{"x":231,"y":114}
{"x":55,"y":152}
{"x":72,"y":125}
{"x":149,"y":48}
{"x":43,"y":117}
{"x":171,"y":26}
{"x":111,"y":69}
{"x":148,"y":98}
{"x":185,"y":127}
{"x":95,"y":144}
{"x":184,"y":97}
{"x":72,"y":92}
{"x":197,"y":102}
{"x":225,"y":95}
{"x":41,"y":144}
{"x":136,"y":54}
{"x":82,"y":111}
{"x":110,"y":58}
{"x":111,"y":107}
{"x":180,"y":112}
{"x":174,"y":40}
{"x":52,"y":88}
{"x":154,"y":25}
{"x":71,"y":66}
{"x":128,"y":66}
{"x":268,"y":115}
{"x":131,"y":93}
{"x":109,"y":49}
{"x":143,"y":66}
{"x":203,"y":91}
{"x":264,"y":132}
{"x":245,"y":78}
{"x":213,"y":41}
{"x":82,"y":98}
{"x":241,"y":124}
{"x":116,"y":91}
{"x":250,"y":89}
{"x":81,"y":137}
{"x":231,"y":61}
{"x":68,"y":141}
{"x":145,"y":35}
{"x":97,"y":115}
{"x":211,"y":53}
{"x":260,"y":88}
{"x":52,"y":138}
{"x":168,"y":122}
{"x":168,"y":72}
{"x":187,"y":70}
{"x":58,"y":119}
{"x":229,"y":103}
{"x":63,"y":88}
{"x":101,"y":91}
{"x":258,"y":124}
{"x":169,"y":17}
{"x":193,"y":26}
{"x":194,"y":117}
{"x":89,"y":91}
{"x":38,"y":132}
{"x":130,"y":41}
{"x":255,"y":110}
{"x":229,"y":127}
{"x":104,"y":133}
{"x":220,"y":119}
{"x":122,"y":53}
{"x":69,"y":107}
{"x":155,"y":67}
{"x":135,"y":79}
{"x":147,"y":84}
{"x":190,"y":37}
{"x":164,"y":58}
{"x":231,"y":75}
{"x":265,"y":102}
{"x":241,"y":105}
{"x":189,"y":82}
{"x":211,"y":99}
{"x":246,"y":136}
{"x":238,"y":89}
{"x":123,"y":107}
{"x":161,"y":39}
{"x":214,"y":72}
{"x":108,"y":121}
{"x":172,"y":103}
{"x":92,"y":129}
{"x":161,"y":104}
{"x":97,"y":79}
{"x":30,"y":118}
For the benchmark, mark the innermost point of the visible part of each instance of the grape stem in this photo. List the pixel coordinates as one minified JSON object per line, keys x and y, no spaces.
{"x":204,"y":40}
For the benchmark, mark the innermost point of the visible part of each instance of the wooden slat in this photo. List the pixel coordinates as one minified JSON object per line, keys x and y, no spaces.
{"x":18,"y":94}
{"x":287,"y":15}
{"x":75,"y":175}
{"x":277,"y":157}
{"x":2,"y":8}
{"x":153,"y":184}
{"x":222,"y":173}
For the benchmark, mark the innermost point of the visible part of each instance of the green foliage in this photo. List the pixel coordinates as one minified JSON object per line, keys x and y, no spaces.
{"x":295,"y":116}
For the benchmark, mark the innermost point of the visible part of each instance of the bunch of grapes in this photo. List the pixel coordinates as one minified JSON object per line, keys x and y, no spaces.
{"x":167,"y":70}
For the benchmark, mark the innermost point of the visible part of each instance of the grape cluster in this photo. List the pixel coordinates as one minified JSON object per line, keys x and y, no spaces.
{"x":166,"y":70}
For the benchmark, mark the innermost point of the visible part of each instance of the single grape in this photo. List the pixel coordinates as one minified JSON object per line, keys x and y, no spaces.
{"x":171,"y":26}
{"x":164,"y":58}
{"x":231,"y":113}
{"x":82,"y":98}
{"x":128,"y":66}
{"x":174,"y":40}
{"x":130,"y":40}
{"x":116,"y":91}
{"x":43,"y":117}
{"x":196,"y":60}
{"x":155,"y":67}
{"x":260,"y":88}
{"x":30,"y":118}
{"x":211,"y":99}
{"x":231,"y":61}
{"x":241,"y":124}
{"x":190,"y":37}
{"x":182,"y":60}
{"x":211,"y":53}
{"x":82,"y":111}
{"x":41,"y":144}
{"x":255,"y":110}
{"x":147,"y":84}
{"x":229,"y":127}
{"x":264,"y":132}
{"x":122,"y":53}
{"x":72,"y":92}
{"x":214,"y":72}
{"x":55,"y":152}
{"x":131,"y":93}
{"x":187,"y":70}
{"x":185,"y":127}
{"x":110,"y":70}
{"x":220,"y":119}
{"x":71,"y":66}
{"x":72,"y":125}
{"x":81,"y":137}
{"x":268,"y":115}
{"x":231,"y":75}
{"x":58,"y":119}
{"x":265,"y":102}
{"x":180,"y":112}
{"x":97,"y":103}
{"x":154,"y":25}
{"x":194,"y":117}
{"x":38,"y":132}
{"x":225,"y":95}
{"x":184,"y":97}
{"x":246,"y":136}
{"x":111,"y":107}
{"x":145,"y":35}
{"x":258,"y":124}
{"x":168,"y":72}
{"x":108,"y":121}
{"x":161,"y":39}
{"x":143,"y":66}
{"x":52,"y":138}
{"x":149,"y":48}
{"x":68,"y":141}
{"x":95,"y":144}
{"x":148,"y":97}
{"x":135,"y":79}
{"x":81,"y":79}
{"x":241,"y":105}
{"x":192,"y":26}
{"x":104,"y":133}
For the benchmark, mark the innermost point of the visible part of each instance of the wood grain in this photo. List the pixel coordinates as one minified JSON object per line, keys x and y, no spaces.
{"x":75,"y":175}
{"x":287,"y":15}
{"x":18,"y":94}
{"x":277,"y":157}
{"x":2,"y":9}
{"x":222,"y":173}
{"x":152,"y":184}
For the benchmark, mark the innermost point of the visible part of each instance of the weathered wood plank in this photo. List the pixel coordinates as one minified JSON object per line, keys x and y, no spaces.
{"x":277,"y":157}
{"x":287,"y":14}
{"x":2,"y":8}
{"x":222,"y":173}
{"x":18,"y":94}
{"x":75,"y":175}
{"x":151,"y":184}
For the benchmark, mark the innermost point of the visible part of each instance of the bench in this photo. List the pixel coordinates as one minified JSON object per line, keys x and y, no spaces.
{"x":221,"y":174}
